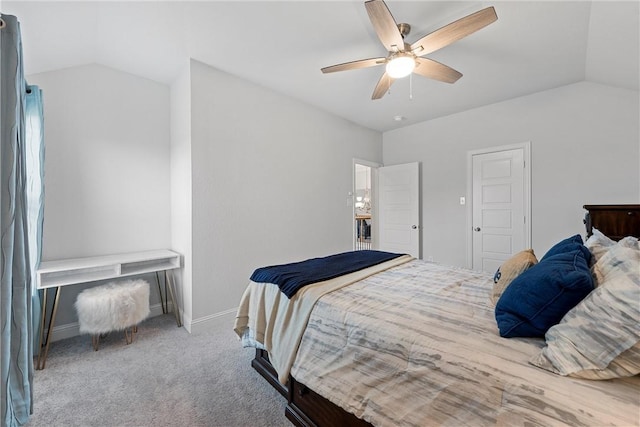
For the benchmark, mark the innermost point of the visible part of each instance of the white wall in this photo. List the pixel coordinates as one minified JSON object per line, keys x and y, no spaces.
{"x":106,"y":166}
{"x":584,"y":146}
{"x":270,"y":178}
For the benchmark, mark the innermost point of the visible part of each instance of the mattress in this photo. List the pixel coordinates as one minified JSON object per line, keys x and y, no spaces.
{"x":418,"y":345}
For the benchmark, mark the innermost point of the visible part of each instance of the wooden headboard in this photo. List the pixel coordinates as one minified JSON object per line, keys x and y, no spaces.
{"x":614,"y":221}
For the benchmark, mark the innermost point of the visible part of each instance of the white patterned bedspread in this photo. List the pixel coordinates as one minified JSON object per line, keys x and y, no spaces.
{"x":267,"y":319}
{"x":418,"y":345}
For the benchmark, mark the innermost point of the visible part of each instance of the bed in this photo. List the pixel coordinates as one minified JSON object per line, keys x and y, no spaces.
{"x":409,"y":342}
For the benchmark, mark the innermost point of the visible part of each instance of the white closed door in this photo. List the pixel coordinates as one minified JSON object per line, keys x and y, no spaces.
{"x":399,"y":210}
{"x":499,"y":206}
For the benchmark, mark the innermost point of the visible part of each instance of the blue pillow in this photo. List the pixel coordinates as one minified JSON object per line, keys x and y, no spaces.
{"x":568,"y":245}
{"x":541,"y":296}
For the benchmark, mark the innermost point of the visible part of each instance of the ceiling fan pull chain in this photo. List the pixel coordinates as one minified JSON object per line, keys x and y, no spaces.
{"x":411,"y":86}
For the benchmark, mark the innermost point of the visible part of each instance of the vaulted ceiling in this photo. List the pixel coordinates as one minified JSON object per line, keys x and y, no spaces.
{"x":533,"y":46}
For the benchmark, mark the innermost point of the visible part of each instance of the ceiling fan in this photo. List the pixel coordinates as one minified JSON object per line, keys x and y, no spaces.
{"x":404,"y":59}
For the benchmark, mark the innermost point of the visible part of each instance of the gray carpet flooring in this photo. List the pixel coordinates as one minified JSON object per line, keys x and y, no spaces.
{"x":166,"y":377}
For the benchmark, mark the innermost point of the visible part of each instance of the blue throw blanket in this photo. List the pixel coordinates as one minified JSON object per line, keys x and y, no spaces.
{"x":291,"y":277}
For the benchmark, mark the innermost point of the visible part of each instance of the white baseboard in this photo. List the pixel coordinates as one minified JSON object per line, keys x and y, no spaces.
{"x":202,"y":322}
{"x":73,"y":329}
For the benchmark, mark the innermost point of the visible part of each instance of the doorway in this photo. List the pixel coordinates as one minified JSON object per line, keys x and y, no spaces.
{"x":386,"y":207}
{"x":364,"y":174}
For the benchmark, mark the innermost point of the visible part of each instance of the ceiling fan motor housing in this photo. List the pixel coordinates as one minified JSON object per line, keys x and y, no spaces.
{"x":404,"y":29}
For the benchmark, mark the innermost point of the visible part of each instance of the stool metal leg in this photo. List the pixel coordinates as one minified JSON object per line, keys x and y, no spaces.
{"x":128,"y":335}
{"x":95,"y":341}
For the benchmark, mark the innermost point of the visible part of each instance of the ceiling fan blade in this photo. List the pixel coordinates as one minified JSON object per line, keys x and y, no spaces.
{"x":454,"y":31}
{"x":434,"y":70}
{"x":383,"y":86}
{"x":353,"y":65}
{"x":384,"y":25}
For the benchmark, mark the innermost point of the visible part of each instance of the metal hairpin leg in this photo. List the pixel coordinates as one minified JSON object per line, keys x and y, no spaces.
{"x":42,"y":358}
{"x":168,"y":277}
{"x":43,"y":316}
{"x":163,"y":299}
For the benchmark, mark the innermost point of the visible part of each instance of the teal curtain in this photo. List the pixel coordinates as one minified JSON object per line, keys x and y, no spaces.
{"x":19,"y":248}
{"x":34,"y":132}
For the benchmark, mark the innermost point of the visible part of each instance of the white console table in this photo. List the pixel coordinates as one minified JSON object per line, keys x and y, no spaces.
{"x":60,"y":273}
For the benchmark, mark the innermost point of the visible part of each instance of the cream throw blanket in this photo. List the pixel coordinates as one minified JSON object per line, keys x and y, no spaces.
{"x":276,"y":322}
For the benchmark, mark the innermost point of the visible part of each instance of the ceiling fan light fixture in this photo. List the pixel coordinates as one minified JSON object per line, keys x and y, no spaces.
{"x":401,"y":65}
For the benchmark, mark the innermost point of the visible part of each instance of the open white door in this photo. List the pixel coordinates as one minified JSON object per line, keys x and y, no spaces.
{"x":399,"y":209}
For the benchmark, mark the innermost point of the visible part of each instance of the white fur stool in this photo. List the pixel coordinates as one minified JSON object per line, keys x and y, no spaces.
{"x":115,"y":306}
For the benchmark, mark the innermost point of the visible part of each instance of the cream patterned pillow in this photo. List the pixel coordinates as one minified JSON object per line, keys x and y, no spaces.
{"x":607,"y":267}
{"x":509,"y":270}
{"x":598,"y":244}
{"x":600,"y":337}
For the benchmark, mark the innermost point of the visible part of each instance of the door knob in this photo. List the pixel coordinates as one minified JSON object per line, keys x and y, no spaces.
{"x":414,"y":227}
{"x":476,"y":229}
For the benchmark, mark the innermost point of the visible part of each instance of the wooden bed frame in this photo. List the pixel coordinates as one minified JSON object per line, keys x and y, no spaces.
{"x":305,"y":408}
